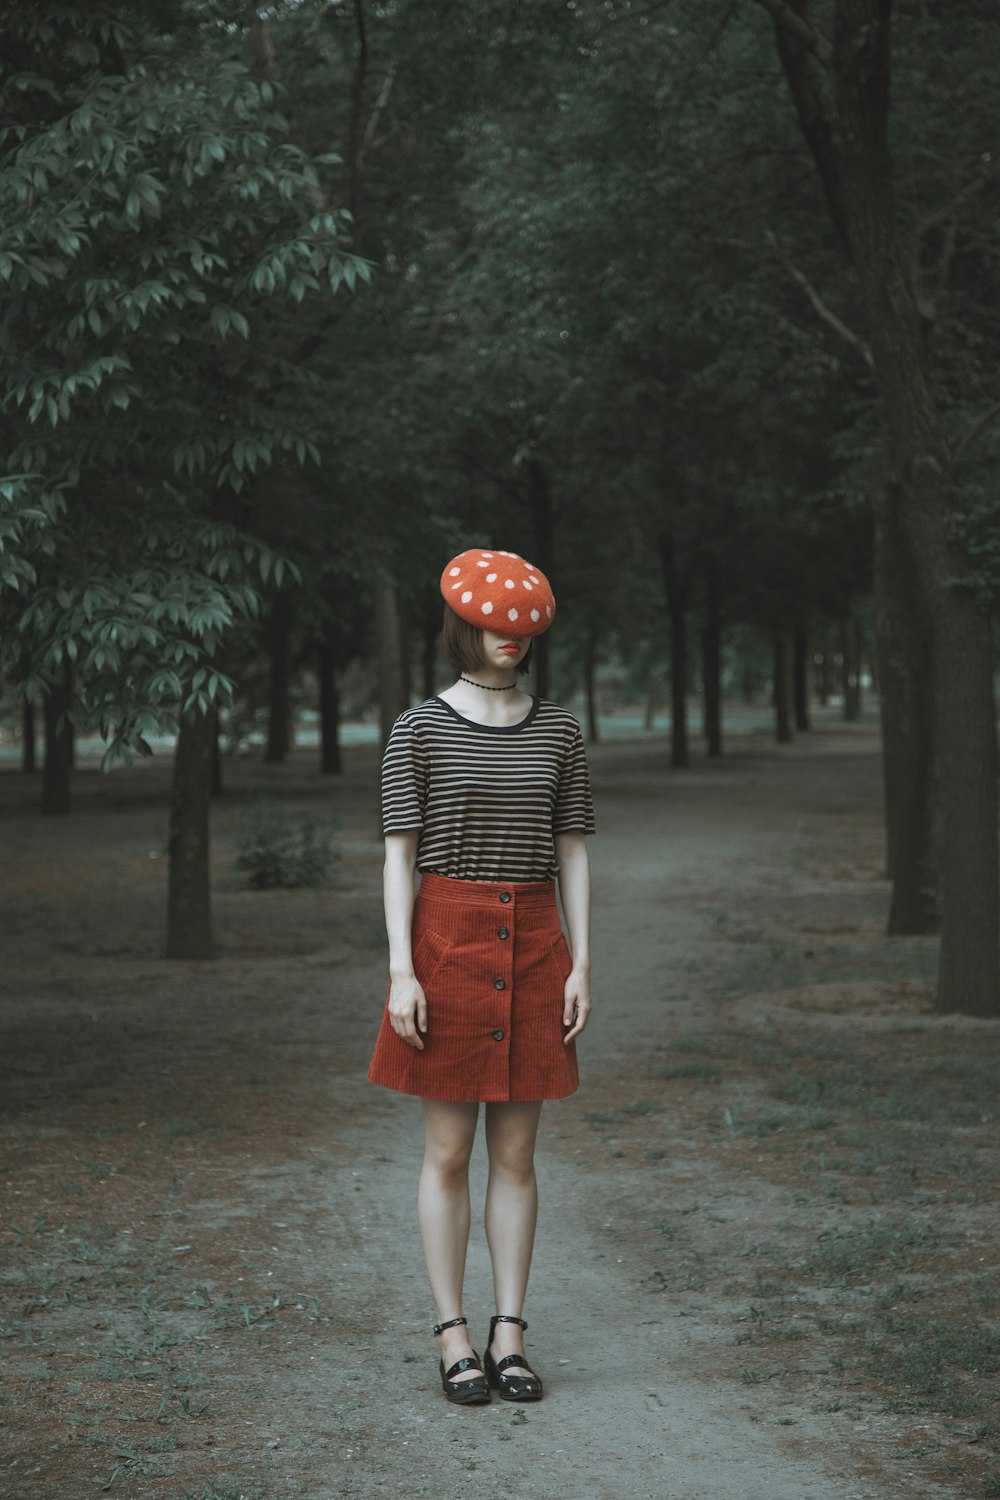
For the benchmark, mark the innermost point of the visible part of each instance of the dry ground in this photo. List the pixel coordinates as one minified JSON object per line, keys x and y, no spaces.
{"x":767,"y":1253}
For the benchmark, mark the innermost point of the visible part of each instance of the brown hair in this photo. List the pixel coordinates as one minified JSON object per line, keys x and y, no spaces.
{"x":463,"y":644}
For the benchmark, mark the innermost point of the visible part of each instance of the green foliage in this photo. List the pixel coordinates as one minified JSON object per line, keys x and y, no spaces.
{"x":276,"y":850}
{"x":593,"y":229}
{"x":161,"y":235}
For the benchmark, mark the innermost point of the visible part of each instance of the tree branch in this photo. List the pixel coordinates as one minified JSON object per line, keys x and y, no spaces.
{"x":377,"y":108}
{"x":940,"y":215}
{"x":808,"y":80}
{"x":789,"y":20}
{"x":976,"y":429}
{"x":947,"y":214}
{"x":262,"y":47}
{"x":359,"y":84}
{"x":857,"y":343}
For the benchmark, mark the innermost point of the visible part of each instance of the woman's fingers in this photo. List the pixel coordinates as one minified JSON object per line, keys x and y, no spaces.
{"x":403,"y":1027}
{"x":578,"y":1026}
{"x":576,"y":1010}
{"x":407,"y":1011}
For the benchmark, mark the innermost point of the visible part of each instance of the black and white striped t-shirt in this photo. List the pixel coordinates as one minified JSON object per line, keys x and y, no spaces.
{"x":486,"y":799}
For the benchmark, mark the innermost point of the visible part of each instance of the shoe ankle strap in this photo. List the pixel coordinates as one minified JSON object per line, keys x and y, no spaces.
{"x":452,"y":1323}
{"x":505,"y":1318}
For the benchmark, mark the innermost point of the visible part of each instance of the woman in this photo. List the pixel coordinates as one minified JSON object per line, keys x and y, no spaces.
{"x":485,"y":791}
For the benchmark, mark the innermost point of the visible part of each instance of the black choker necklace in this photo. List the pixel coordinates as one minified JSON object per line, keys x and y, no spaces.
{"x":486,"y":688}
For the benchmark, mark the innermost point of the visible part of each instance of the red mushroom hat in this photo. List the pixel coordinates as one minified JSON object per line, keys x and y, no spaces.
{"x":498,"y":591}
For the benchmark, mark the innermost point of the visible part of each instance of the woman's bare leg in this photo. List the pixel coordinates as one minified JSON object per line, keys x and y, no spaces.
{"x":511,"y":1211}
{"x":443,"y":1213}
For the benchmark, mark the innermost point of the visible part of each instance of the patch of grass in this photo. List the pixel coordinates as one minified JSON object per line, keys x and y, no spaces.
{"x":772,"y":1333}
{"x":225,"y":1489}
{"x":758,"y":1377}
{"x":858,"y":1251}
{"x":147,"y":1459}
{"x":889,"y":1298}
{"x":956,"y":1089}
{"x":693,"y":1044}
{"x":950,"y":1362}
{"x":692,"y":1272}
{"x":599,"y":1118}
{"x":984,"y":1294}
{"x":765,"y":1287}
{"x":275,"y":850}
{"x":704,"y":1072}
{"x":790,"y":1121}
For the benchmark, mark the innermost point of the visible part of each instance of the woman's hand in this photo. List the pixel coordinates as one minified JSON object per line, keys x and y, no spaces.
{"x":407,"y":1005}
{"x":408,"y":1010}
{"x":576,"y":1003}
{"x":574,"y":888}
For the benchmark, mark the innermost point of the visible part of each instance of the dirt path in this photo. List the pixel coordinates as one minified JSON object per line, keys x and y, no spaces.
{"x":213,"y":1284}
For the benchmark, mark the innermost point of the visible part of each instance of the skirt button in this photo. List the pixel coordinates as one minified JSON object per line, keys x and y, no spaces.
{"x":499,"y":984}
{"x":498,"y":1035}
{"x":505,"y":896}
{"x":502,"y":932}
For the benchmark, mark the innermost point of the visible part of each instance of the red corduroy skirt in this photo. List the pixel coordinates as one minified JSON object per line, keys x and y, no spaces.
{"x":493,"y":961}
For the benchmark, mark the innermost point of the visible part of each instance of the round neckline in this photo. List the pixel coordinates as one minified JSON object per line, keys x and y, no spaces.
{"x":491,"y":728}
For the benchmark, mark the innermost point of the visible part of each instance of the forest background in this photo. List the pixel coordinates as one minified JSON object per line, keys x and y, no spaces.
{"x":692,"y":304}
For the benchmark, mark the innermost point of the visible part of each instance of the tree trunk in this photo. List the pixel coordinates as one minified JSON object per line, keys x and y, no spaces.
{"x":590,"y":686}
{"x":56,"y":772}
{"x":29,"y":763}
{"x":850,"y":143}
{"x":850,"y":669}
{"x":217,"y":787}
{"x":711,"y":660}
{"x":393,"y":697}
{"x":652,"y":706}
{"x":872,"y":658}
{"x":432,"y":629}
{"x":189,"y":917}
{"x":330,"y":762}
{"x":800,"y":677}
{"x":279,"y":737}
{"x":859,"y":647}
{"x":825,"y":687}
{"x":749,"y":683}
{"x":782,"y":716}
{"x":962,"y":661}
{"x":903,"y":644}
{"x":544,"y":528}
{"x":676,"y":589}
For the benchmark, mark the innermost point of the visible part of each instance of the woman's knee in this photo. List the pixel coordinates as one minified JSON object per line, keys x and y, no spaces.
{"x":449,"y":1135}
{"x":515,"y":1159}
{"x":511,"y":1130}
{"x":450,"y":1165}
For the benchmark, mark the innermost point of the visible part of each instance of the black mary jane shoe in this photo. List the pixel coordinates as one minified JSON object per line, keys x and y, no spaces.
{"x":463,"y":1392}
{"x":511,"y":1387}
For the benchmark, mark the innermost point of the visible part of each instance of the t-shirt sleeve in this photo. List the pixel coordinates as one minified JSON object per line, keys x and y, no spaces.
{"x":404,"y":781}
{"x":574,"y":809}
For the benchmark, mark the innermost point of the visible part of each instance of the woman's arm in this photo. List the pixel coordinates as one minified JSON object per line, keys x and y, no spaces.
{"x":574,"y":888}
{"x":407,"y":1003}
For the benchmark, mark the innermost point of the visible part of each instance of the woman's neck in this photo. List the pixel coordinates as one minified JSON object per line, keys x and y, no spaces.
{"x":477,"y":699}
{"x":490,"y":679}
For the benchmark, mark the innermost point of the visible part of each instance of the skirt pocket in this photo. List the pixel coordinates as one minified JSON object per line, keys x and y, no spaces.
{"x":560,"y":956}
{"x":429,"y":956}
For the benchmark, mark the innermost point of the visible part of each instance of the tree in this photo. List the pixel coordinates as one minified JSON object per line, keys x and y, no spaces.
{"x":840,"y":90}
{"x":158,"y":231}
